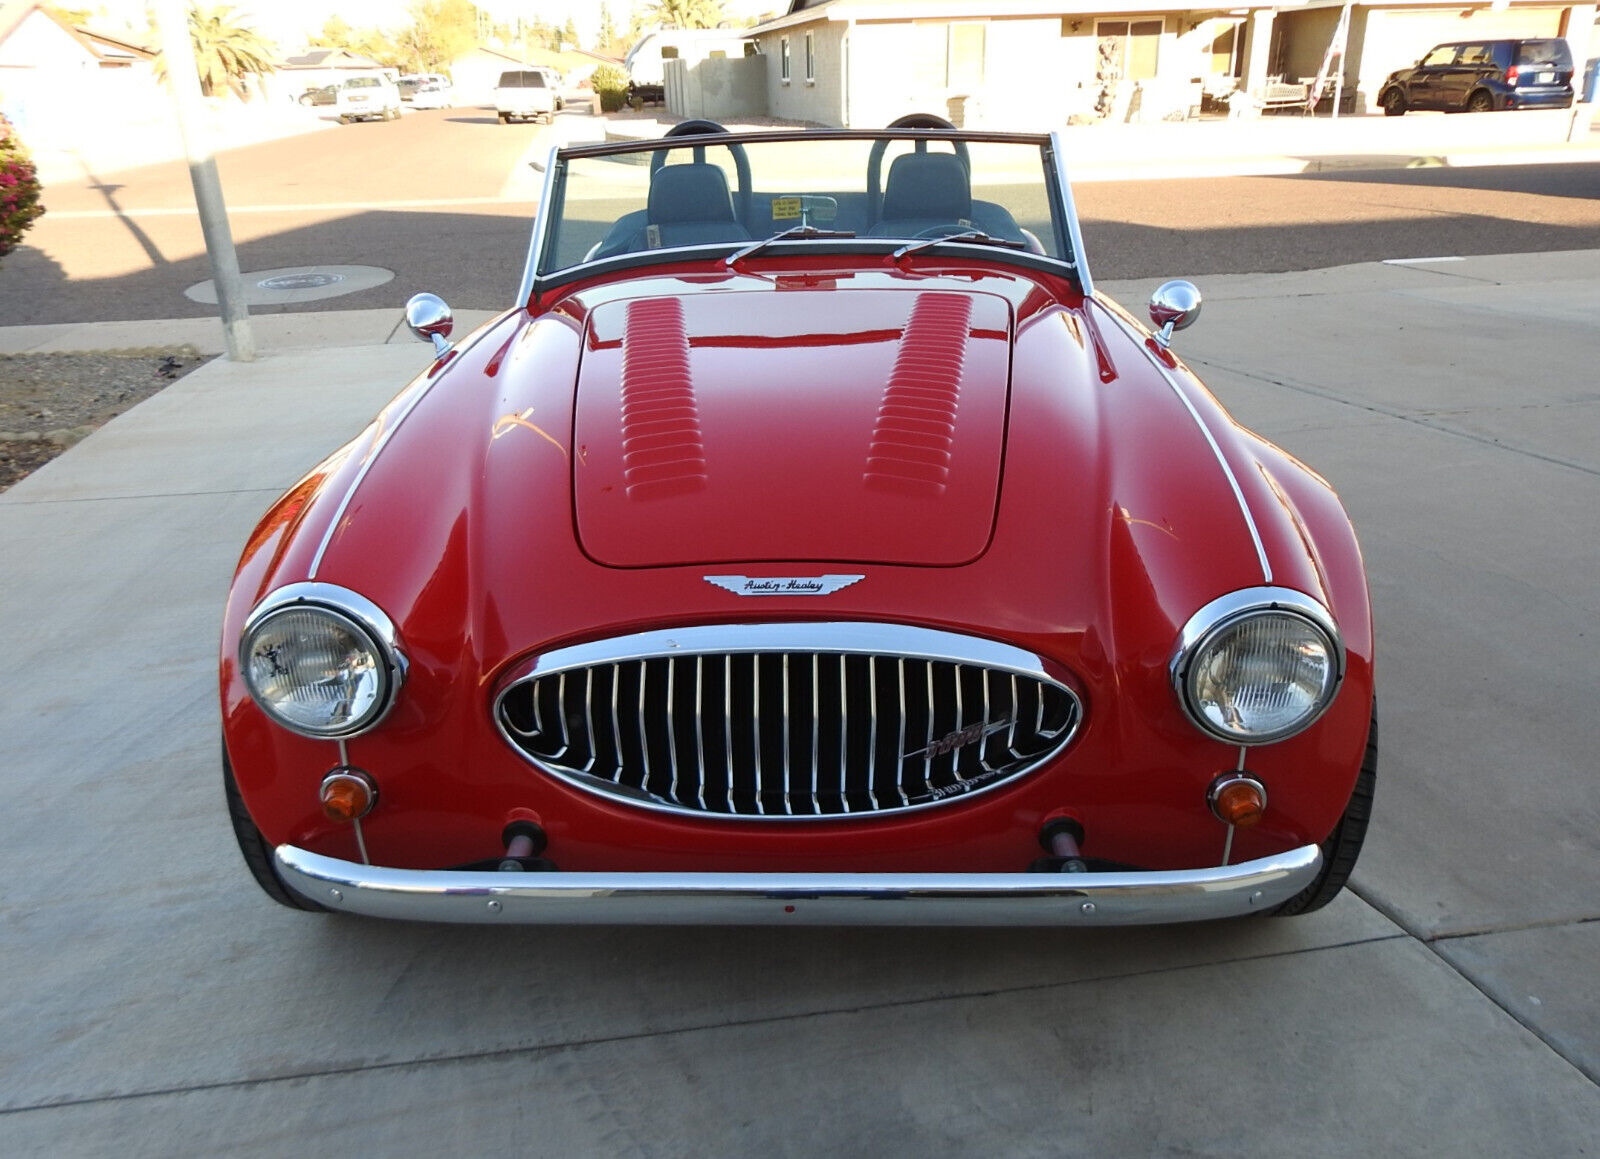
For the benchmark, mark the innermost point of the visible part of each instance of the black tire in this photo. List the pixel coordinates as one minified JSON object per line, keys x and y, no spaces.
{"x":1480,"y":102}
{"x":1343,"y":846}
{"x":1394,"y":103}
{"x":505,"y":118}
{"x":257,"y":853}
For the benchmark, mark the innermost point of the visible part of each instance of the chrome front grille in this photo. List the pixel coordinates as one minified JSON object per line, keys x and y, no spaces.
{"x":788,"y":720}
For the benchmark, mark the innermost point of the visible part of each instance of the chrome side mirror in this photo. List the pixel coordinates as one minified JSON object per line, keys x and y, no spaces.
{"x":429,"y":318}
{"x":1174,"y":306}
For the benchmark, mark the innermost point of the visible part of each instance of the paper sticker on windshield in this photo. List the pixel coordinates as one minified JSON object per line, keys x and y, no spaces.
{"x":785,"y":208}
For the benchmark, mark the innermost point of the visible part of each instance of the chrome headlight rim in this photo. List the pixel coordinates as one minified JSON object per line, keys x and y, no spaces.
{"x":1226,"y":612}
{"x":359,"y":614}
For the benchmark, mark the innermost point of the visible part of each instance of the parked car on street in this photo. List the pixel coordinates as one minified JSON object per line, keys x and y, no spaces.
{"x":526,"y":94}
{"x":1480,"y":76}
{"x":809,"y":542}
{"x":371,"y":96}
{"x":427,"y":90}
{"x":321,"y":95}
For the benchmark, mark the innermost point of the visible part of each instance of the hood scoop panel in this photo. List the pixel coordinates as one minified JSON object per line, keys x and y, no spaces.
{"x":847,"y":425}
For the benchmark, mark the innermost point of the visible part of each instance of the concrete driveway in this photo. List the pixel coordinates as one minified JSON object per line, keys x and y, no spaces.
{"x":157,"y":1004}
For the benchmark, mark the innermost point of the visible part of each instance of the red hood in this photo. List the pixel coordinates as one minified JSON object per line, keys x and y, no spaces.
{"x":713,"y":429}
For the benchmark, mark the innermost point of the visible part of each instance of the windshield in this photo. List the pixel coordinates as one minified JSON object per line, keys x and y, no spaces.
{"x":862,"y":191}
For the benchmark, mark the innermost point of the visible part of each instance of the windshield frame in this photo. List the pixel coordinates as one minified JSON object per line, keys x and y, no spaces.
{"x":1073,"y":264}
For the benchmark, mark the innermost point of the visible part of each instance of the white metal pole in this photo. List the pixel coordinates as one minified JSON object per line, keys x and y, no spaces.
{"x":184,"y":77}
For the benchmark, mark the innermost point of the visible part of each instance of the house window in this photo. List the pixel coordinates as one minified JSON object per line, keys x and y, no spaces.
{"x":966,"y":56}
{"x":811,"y":59}
{"x":1225,"y":55}
{"x":783,"y":59}
{"x":1128,"y":49}
{"x":669,"y":52}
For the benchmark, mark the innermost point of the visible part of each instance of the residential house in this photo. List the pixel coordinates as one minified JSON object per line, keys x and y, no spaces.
{"x":52,"y":74}
{"x":1041,"y":64}
{"x":1389,"y":34}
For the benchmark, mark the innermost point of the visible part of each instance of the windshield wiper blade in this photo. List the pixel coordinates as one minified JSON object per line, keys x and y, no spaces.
{"x":976,"y":236}
{"x":799,"y":231}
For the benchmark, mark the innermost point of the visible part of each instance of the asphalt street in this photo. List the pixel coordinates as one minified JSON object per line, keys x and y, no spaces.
{"x":432,"y":198}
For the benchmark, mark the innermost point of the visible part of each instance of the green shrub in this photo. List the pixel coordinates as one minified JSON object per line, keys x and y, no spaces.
{"x":611,"y":86}
{"x":19,"y":189}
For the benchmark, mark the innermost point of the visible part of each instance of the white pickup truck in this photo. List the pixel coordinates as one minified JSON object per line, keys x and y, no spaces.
{"x":527,"y":94}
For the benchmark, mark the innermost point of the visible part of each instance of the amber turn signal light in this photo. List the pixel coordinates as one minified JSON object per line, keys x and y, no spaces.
{"x":1238,"y":799}
{"x":347,"y":794}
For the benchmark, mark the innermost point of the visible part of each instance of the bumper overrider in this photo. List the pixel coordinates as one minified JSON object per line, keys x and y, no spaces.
{"x":908,"y":899}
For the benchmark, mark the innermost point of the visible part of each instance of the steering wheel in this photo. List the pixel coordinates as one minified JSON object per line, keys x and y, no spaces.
{"x":875,"y":156}
{"x":741,"y":160}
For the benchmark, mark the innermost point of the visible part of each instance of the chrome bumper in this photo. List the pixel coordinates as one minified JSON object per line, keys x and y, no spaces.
{"x":821,"y":899}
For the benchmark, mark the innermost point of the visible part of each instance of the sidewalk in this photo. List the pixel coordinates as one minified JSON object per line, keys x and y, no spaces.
{"x":1445,"y":1005}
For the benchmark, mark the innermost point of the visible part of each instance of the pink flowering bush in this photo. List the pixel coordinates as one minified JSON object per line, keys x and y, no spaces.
{"x":19,"y":189}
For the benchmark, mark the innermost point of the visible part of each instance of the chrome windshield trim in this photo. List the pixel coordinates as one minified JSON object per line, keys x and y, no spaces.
{"x":537,"y":279}
{"x":1069,"y":214}
{"x":871,"y":899}
{"x":541,"y":226}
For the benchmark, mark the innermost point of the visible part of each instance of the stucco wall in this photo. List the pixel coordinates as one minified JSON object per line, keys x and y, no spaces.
{"x":719,"y":89}
{"x":821,"y":101}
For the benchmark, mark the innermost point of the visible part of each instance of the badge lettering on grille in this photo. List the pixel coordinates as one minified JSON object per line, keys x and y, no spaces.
{"x":961,"y":738}
{"x":814,"y":585}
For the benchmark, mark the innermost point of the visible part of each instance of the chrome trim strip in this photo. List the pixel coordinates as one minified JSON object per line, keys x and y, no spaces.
{"x":879,"y":899}
{"x":1216,"y":449}
{"x":851,"y":638}
{"x":1069,"y":209}
{"x":419,"y":392}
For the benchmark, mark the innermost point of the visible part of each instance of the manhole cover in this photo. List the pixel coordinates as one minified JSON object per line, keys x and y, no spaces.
{"x":291,"y":284}
{"x":300,"y":281}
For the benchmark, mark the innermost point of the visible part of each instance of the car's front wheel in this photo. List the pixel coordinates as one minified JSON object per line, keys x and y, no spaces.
{"x":1394,"y":103}
{"x":1343,"y":846}
{"x":257,"y":853}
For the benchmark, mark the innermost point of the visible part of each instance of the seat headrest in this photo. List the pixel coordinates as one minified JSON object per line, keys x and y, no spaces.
{"x":693,"y":192}
{"x":927,"y":185}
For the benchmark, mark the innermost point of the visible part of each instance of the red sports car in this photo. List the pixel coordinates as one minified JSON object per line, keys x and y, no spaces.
{"x":809,"y":542}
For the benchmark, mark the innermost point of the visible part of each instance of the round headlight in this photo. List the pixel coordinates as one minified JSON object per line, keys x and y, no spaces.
{"x":1258,"y":666}
{"x":317,"y":669}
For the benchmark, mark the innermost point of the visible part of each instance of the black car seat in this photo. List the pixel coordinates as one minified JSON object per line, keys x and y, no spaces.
{"x":924,"y":191}
{"x":689,"y":204}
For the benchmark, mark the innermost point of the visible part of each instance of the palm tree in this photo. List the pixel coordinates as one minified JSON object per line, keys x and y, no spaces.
{"x":687,"y":13}
{"x":225,"y":51}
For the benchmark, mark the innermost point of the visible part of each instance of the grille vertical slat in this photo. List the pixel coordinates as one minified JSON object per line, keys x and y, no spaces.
{"x":789,"y":732}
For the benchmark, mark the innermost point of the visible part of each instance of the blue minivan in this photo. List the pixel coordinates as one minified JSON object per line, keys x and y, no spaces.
{"x":1480,"y":76}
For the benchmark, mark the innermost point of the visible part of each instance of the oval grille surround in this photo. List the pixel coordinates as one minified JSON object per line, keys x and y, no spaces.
{"x":788,"y":721}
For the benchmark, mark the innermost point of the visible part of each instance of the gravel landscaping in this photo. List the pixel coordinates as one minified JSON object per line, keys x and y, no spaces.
{"x":48,"y":402}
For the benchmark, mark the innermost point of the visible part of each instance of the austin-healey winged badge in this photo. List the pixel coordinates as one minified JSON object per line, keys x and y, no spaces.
{"x":809,"y":585}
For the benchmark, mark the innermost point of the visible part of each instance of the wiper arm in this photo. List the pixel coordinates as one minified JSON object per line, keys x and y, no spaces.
{"x":976,"y":236}
{"x":799,"y":231}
